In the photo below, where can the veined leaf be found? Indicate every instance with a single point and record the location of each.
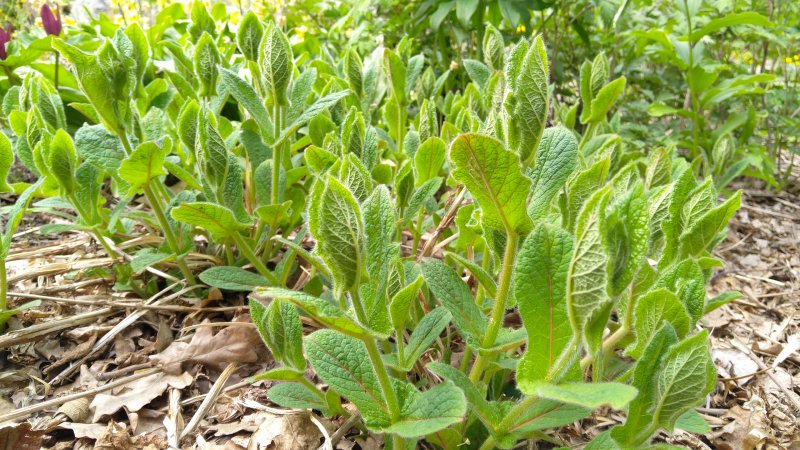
(426, 412)
(702, 232)
(218, 220)
(531, 96)
(605, 99)
(555, 162)
(275, 61)
(651, 310)
(489, 415)
(494, 177)
(297, 396)
(312, 111)
(143, 164)
(6, 160)
(429, 158)
(586, 278)
(249, 36)
(336, 224)
(590, 395)
(686, 280)
(478, 72)
(421, 195)
(206, 62)
(540, 289)
(280, 327)
(731, 20)
(455, 296)
(246, 96)
(426, 331)
(342, 362)
(232, 278)
(484, 278)
(627, 235)
(62, 161)
(401, 303)
(686, 377)
(322, 311)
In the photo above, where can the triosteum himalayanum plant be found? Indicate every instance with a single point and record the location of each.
(433, 214)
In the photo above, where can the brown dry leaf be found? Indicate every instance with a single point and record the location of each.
(20, 437)
(85, 430)
(748, 428)
(231, 344)
(137, 394)
(732, 363)
(286, 432)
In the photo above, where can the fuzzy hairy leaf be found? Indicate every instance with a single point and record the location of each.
(429, 158)
(275, 61)
(531, 98)
(426, 412)
(653, 309)
(342, 362)
(232, 278)
(280, 327)
(218, 220)
(455, 296)
(494, 177)
(590, 395)
(555, 162)
(626, 228)
(246, 96)
(540, 290)
(336, 224)
(143, 164)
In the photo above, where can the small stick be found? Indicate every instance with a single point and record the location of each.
(768, 372)
(216, 389)
(22, 413)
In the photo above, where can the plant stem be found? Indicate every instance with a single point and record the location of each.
(155, 204)
(248, 253)
(499, 308)
(3, 288)
(55, 77)
(277, 154)
(383, 378)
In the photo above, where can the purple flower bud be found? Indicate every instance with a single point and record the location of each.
(5, 37)
(51, 23)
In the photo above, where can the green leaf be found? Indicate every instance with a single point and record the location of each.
(322, 311)
(6, 160)
(582, 186)
(430, 411)
(484, 278)
(336, 224)
(494, 177)
(586, 285)
(702, 233)
(478, 72)
(280, 327)
(232, 278)
(143, 164)
(637, 428)
(279, 374)
(421, 195)
(540, 289)
(687, 376)
(147, 257)
(429, 158)
(297, 396)
(246, 96)
(586, 91)
(249, 36)
(355, 177)
(15, 214)
(605, 99)
(379, 228)
(541, 415)
(456, 297)
(96, 146)
(651, 310)
(354, 70)
(218, 220)
(206, 62)
(401, 303)
(731, 20)
(343, 363)
(590, 395)
(489, 415)
(627, 235)
(531, 97)
(494, 47)
(599, 73)
(721, 299)
(686, 280)
(396, 71)
(275, 61)
(426, 331)
(211, 151)
(556, 159)
(62, 161)
(312, 111)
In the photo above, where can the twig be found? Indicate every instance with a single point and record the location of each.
(22, 413)
(216, 389)
(764, 368)
(34, 332)
(200, 397)
(340, 432)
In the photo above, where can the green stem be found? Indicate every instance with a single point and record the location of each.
(400, 129)
(383, 378)
(499, 308)
(277, 154)
(3, 287)
(418, 232)
(248, 253)
(57, 63)
(155, 204)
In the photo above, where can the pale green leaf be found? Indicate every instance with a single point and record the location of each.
(232, 278)
(590, 395)
(555, 162)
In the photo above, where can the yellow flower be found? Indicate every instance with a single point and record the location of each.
(453, 65)
(235, 17)
(300, 32)
(521, 29)
(348, 32)
(69, 21)
(797, 57)
(788, 60)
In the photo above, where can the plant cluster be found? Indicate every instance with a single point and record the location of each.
(432, 214)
